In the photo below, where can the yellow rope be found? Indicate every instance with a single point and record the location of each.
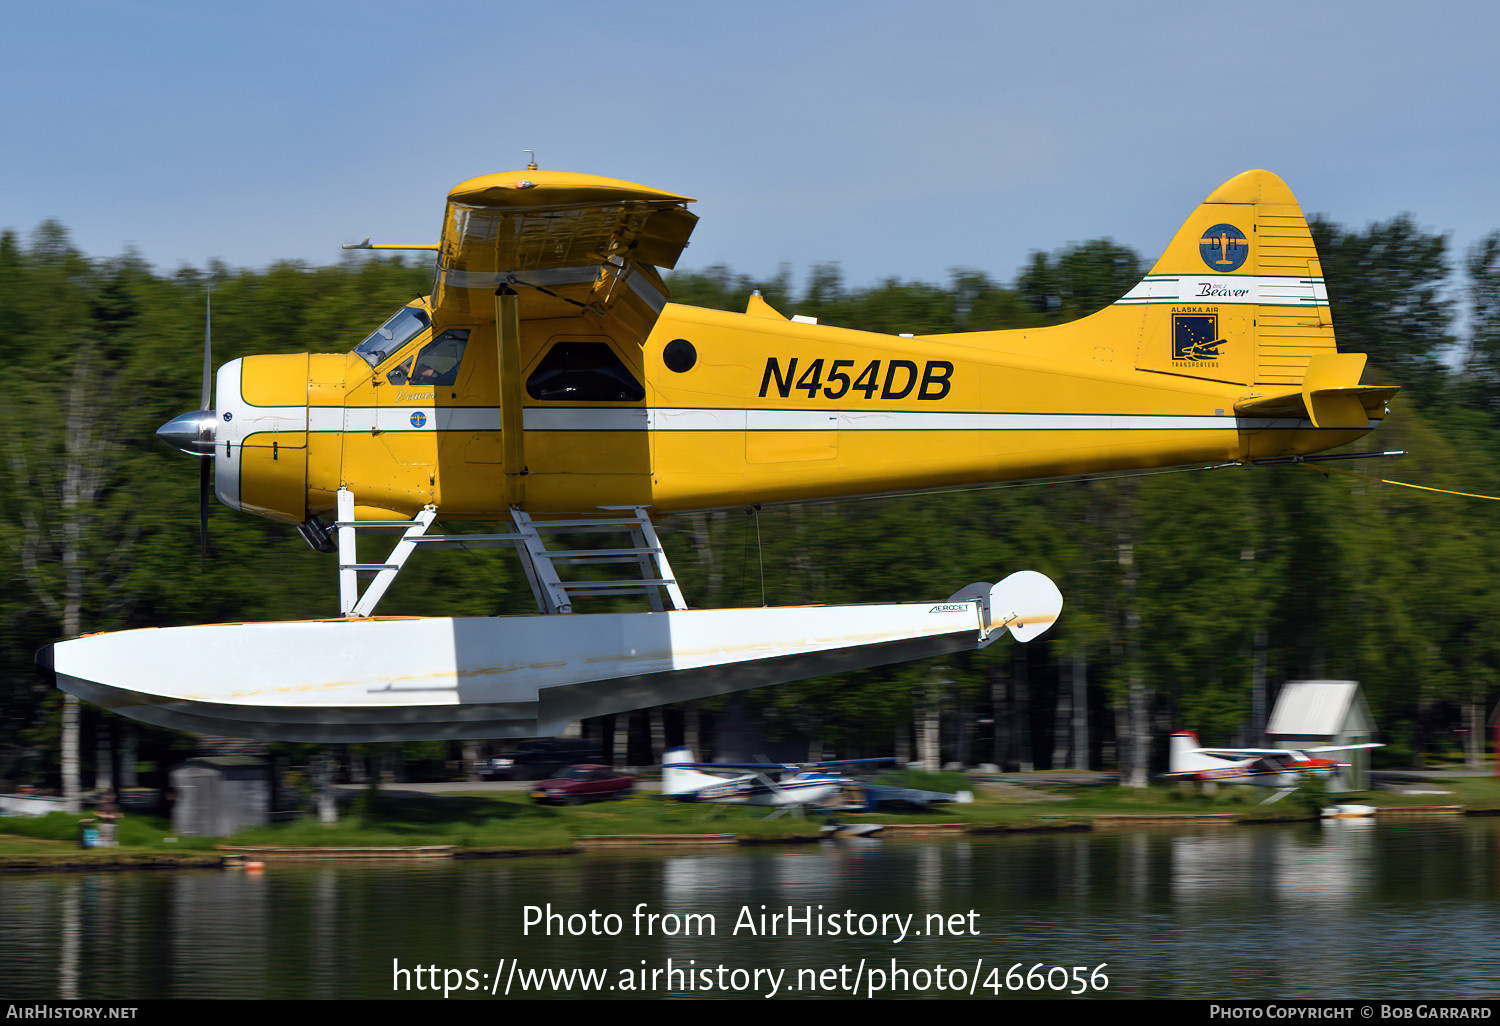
(1325, 470)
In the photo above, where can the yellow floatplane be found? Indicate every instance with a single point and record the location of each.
(548, 384)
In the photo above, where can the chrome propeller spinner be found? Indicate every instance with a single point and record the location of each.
(192, 433)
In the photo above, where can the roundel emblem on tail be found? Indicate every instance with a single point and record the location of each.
(1224, 248)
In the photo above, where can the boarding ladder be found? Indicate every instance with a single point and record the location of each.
(553, 594)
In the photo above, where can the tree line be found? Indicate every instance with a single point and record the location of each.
(1191, 595)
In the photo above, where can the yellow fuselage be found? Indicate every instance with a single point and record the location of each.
(771, 410)
(548, 373)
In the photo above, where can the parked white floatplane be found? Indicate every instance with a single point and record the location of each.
(548, 382)
(777, 785)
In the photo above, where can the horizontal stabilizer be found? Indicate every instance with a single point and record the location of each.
(1330, 395)
(1328, 405)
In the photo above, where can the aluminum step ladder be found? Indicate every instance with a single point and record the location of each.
(654, 577)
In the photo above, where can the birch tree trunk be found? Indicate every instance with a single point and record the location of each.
(1137, 732)
(928, 722)
(61, 482)
(1000, 713)
(1080, 709)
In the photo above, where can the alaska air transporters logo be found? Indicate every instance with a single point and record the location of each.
(1224, 248)
(1195, 339)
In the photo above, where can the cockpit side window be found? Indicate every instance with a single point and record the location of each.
(436, 363)
(407, 324)
(583, 371)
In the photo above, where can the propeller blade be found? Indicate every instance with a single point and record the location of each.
(193, 433)
(203, 493)
(207, 401)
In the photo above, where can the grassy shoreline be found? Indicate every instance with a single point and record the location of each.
(504, 825)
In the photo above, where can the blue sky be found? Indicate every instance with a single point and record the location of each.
(898, 139)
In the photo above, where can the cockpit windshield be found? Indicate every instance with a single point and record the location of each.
(407, 324)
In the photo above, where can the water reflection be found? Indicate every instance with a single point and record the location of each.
(1344, 910)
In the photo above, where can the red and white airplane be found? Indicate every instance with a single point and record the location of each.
(1281, 768)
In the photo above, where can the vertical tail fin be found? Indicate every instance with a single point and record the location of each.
(674, 779)
(1236, 299)
(1240, 294)
(1180, 753)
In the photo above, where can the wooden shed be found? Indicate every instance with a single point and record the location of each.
(1310, 713)
(220, 795)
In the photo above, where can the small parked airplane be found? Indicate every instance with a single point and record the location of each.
(1281, 768)
(784, 786)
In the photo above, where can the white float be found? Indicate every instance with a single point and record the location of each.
(396, 679)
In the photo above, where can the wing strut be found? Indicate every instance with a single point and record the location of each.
(512, 423)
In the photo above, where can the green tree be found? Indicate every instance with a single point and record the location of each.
(1386, 289)
(1078, 280)
(1482, 365)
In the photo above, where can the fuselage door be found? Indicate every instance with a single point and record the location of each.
(587, 437)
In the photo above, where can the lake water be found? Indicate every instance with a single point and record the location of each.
(1342, 910)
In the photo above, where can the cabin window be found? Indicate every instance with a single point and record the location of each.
(407, 324)
(583, 372)
(436, 363)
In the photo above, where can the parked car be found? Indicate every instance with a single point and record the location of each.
(496, 769)
(540, 759)
(583, 783)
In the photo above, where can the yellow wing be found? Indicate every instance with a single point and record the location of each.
(565, 242)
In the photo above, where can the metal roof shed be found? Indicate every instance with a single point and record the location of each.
(1310, 713)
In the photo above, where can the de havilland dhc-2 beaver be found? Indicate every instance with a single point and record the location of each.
(547, 384)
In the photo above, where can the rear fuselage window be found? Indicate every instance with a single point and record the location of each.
(583, 372)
